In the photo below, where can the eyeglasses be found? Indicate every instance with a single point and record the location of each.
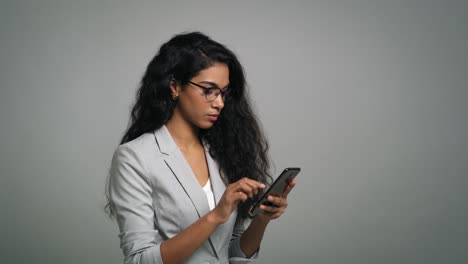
(211, 93)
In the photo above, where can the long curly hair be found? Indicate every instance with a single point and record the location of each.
(235, 140)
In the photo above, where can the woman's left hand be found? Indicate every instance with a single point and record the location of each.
(279, 204)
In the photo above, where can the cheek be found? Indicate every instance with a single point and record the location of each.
(193, 106)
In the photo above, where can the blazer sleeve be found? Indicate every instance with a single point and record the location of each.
(130, 194)
(236, 255)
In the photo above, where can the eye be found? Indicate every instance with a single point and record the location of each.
(211, 90)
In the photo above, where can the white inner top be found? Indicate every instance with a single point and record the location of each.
(209, 194)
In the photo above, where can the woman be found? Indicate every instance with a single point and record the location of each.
(192, 161)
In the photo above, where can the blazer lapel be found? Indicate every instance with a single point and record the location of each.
(176, 161)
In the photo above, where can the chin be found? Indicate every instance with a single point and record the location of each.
(205, 125)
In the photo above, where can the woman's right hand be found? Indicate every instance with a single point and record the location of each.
(236, 192)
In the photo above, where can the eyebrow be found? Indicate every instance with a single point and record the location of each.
(212, 84)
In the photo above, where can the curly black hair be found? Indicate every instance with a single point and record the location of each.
(235, 140)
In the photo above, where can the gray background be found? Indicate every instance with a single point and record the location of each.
(368, 97)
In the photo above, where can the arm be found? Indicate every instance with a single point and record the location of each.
(182, 246)
(130, 195)
(247, 231)
(252, 237)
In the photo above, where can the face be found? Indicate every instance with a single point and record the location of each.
(192, 104)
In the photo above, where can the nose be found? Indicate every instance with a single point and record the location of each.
(218, 103)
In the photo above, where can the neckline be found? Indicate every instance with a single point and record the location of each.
(207, 185)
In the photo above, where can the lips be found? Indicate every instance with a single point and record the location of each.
(213, 117)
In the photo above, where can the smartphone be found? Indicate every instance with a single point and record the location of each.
(276, 189)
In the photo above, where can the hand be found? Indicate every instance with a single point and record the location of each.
(236, 192)
(279, 204)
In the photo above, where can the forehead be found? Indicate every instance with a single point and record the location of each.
(217, 73)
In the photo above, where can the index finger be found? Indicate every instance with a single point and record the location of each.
(252, 183)
(259, 184)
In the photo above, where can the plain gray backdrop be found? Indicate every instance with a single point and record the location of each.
(368, 97)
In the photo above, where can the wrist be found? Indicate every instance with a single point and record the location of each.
(213, 218)
(261, 220)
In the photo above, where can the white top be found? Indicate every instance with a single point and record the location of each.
(209, 194)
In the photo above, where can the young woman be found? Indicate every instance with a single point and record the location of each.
(192, 161)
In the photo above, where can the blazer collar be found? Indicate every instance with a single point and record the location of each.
(165, 141)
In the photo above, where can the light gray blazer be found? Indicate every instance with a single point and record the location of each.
(156, 195)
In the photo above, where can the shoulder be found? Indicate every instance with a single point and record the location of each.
(137, 151)
(141, 144)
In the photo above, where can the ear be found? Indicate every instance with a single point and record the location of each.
(175, 88)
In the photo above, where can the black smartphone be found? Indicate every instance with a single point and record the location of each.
(276, 189)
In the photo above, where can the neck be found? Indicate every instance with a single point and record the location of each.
(184, 134)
